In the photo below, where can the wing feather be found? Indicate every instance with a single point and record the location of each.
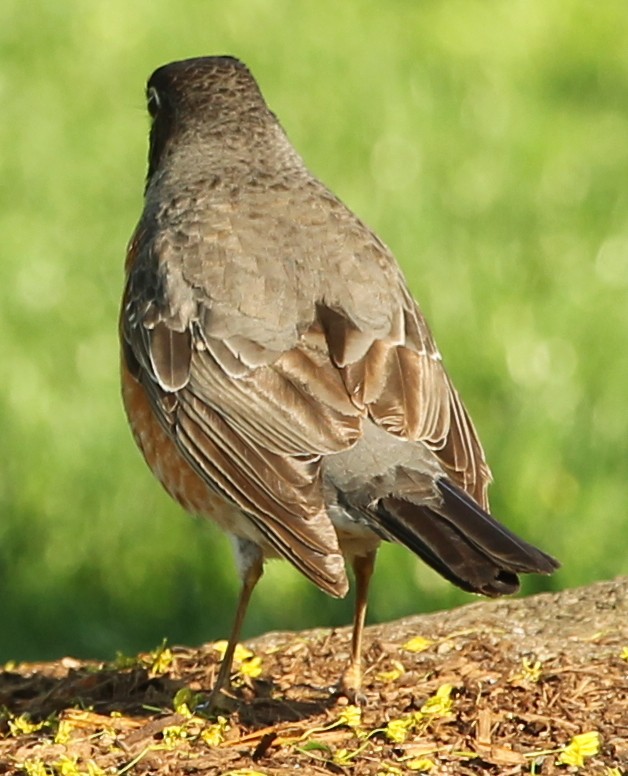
(255, 409)
(403, 384)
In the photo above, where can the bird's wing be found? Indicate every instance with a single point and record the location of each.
(253, 422)
(400, 380)
(255, 388)
(418, 474)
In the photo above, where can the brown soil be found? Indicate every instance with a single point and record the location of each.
(511, 683)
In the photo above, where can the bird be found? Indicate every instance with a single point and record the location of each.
(277, 374)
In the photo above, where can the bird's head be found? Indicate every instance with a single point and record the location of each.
(200, 99)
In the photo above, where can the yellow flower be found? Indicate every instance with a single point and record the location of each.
(343, 756)
(624, 653)
(22, 725)
(248, 664)
(64, 732)
(213, 735)
(351, 717)
(420, 764)
(243, 772)
(173, 735)
(161, 659)
(417, 644)
(390, 770)
(580, 746)
(395, 673)
(67, 766)
(531, 671)
(241, 652)
(252, 667)
(397, 729)
(33, 768)
(440, 704)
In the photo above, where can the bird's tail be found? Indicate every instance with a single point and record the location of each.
(462, 541)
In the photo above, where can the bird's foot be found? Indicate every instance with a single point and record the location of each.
(350, 685)
(218, 703)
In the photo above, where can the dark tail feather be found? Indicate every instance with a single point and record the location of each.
(463, 542)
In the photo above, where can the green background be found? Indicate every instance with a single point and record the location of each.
(486, 142)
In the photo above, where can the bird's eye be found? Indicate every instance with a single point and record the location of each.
(153, 101)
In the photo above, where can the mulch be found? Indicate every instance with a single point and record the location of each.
(529, 686)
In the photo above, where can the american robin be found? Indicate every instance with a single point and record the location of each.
(277, 374)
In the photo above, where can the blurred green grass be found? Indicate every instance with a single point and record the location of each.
(486, 141)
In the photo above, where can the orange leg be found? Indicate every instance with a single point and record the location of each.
(351, 680)
(251, 564)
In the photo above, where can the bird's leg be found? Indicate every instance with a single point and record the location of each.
(351, 680)
(251, 566)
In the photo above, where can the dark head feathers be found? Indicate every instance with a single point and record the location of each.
(204, 94)
(206, 84)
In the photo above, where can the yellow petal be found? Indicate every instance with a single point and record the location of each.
(390, 770)
(420, 764)
(440, 704)
(417, 644)
(34, 768)
(580, 746)
(531, 671)
(22, 725)
(161, 660)
(213, 735)
(251, 666)
(397, 729)
(243, 772)
(395, 673)
(241, 652)
(351, 716)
